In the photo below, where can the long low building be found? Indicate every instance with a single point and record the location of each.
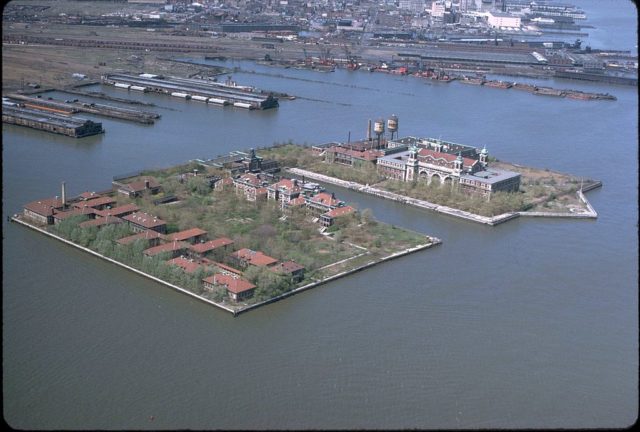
(190, 87)
(51, 122)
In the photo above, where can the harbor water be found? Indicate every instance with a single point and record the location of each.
(529, 324)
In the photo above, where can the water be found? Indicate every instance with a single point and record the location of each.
(532, 323)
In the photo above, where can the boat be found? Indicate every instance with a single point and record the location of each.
(524, 86)
(498, 84)
(548, 91)
(473, 81)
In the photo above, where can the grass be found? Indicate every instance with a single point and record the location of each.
(540, 189)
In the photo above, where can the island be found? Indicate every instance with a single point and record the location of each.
(451, 178)
(238, 236)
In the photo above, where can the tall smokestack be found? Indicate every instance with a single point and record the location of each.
(369, 131)
(64, 195)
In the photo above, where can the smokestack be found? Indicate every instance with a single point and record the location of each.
(369, 131)
(64, 195)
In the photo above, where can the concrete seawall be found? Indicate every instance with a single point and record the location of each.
(141, 273)
(235, 311)
(494, 220)
(434, 242)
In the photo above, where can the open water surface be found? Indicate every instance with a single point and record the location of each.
(532, 323)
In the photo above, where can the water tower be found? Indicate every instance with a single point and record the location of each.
(378, 128)
(392, 125)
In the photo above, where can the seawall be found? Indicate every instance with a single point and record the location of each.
(141, 273)
(434, 241)
(492, 221)
(235, 311)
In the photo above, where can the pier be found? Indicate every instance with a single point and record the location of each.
(75, 106)
(189, 88)
(50, 121)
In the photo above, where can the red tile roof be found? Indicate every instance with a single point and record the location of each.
(61, 215)
(44, 207)
(140, 185)
(255, 258)
(324, 198)
(187, 265)
(211, 245)
(446, 156)
(339, 211)
(146, 235)
(251, 179)
(101, 221)
(118, 211)
(286, 184)
(369, 155)
(167, 247)
(95, 202)
(235, 285)
(144, 219)
(297, 201)
(186, 234)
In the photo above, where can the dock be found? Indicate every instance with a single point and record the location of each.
(190, 88)
(75, 106)
(53, 122)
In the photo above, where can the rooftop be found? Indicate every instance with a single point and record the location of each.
(146, 235)
(45, 206)
(211, 245)
(94, 202)
(167, 247)
(339, 211)
(188, 265)
(255, 258)
(144, 219)
(235, 285)
(118, 211)
(186, 234)
(490, 175)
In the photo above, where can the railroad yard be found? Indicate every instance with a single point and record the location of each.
(133, 37)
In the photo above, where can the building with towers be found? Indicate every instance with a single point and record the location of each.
(428, 160)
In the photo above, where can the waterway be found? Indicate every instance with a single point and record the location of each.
(532, 323)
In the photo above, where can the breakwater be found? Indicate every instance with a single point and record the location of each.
(493, 220)
(432, 241)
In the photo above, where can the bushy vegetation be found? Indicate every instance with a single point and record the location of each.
(261, 226)
(103, 241)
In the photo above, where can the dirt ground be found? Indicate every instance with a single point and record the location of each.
(54, 66)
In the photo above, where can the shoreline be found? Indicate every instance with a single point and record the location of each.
(434, 241)
(492, 221)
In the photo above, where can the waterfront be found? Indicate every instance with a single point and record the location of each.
(532, 323)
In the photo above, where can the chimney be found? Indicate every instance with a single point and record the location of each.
(369, 131)
(64, 195)
(146, 183)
